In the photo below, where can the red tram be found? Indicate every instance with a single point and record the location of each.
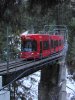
(40, 45)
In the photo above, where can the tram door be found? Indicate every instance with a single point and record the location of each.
(41, 48)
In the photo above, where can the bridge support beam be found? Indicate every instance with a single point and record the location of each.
(49, 77)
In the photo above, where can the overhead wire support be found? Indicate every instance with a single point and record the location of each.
(7, 53)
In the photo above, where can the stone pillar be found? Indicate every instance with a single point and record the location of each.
(49, 75)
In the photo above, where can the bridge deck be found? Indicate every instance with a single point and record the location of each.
(16, 66)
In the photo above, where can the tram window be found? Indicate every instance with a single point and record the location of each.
(52, 43)
(26, 45)
(62, 42)
(29, 45)
(34, 45)
(56, 43)
(59, 42)
(45, 45)
(22, 45)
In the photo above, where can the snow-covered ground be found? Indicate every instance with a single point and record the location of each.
(29, 87)
(70, 87)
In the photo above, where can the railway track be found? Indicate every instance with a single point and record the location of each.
(20, 64)
(14, 64)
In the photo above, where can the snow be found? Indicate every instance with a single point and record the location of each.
(20, 90)
(29, 86)
(70, 87)
(24, 33)
(27, 83)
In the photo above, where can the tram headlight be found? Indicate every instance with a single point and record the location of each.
(32, 53)
(20, 54)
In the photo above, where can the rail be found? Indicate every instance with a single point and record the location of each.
(19, 65)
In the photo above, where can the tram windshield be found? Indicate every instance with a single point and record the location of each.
(29, 45)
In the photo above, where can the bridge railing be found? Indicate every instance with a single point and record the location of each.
(11, 56)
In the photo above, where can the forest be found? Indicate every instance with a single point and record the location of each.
(17, 16)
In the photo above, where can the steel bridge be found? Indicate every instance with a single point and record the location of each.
(21, 68)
